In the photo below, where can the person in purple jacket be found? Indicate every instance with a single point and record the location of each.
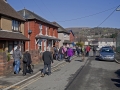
(69, 54)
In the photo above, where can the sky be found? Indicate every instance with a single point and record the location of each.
(74, 13)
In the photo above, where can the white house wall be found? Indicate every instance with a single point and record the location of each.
(62, 37)
(102, 44)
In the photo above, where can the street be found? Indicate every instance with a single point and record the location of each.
(88, 75)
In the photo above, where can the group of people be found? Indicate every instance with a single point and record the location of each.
(63, 52)
(59, 54)
(17, 55)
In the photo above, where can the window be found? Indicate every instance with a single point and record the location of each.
(40, 44)
(44, 45)
(40, 27)
(15, 25)
(12, 45)
(65, 35)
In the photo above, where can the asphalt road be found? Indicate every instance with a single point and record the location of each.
(97, 75)
(88, 75)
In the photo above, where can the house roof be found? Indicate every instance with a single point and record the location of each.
(71, 32)
(106, 39)
(67, 41)
(7, 10)
(27, 14)
(61, 29)
(12, 35)
(46, 37)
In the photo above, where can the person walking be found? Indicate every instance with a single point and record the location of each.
(78, 51)
(94, 51)
(56, 53)
(83, 53)
(61, 53)
(69, 54)
(17, 55)
(47, 59)
(27, 63)
(87, 50)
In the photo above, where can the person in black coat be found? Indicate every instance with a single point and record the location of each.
(27, 63)
(47, 59)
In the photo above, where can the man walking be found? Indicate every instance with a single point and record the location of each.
(56, 53)
(94, 50)
(27, 63)
(47, 58)
(17, 56)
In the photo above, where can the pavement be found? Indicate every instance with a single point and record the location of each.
(12, 78)
(117, 57)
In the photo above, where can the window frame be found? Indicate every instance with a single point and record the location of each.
(16, 25)
(40, 28)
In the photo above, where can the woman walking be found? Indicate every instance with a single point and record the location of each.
(69, 54)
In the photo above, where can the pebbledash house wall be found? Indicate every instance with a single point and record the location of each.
(63, 37)
(34, 26)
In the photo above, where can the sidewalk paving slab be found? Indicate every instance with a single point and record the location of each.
(12, 78)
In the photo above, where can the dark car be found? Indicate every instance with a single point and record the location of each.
(107, 53)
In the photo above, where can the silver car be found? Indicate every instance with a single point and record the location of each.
(107, 54)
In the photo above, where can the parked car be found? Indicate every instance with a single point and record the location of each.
(106, 53)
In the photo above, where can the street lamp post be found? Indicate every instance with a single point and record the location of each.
(117, 40)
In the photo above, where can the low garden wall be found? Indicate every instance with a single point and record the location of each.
(6, 63)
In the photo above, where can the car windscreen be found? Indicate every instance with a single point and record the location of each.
(107, 50)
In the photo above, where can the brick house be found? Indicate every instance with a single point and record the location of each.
(63, 34)
(41, 32)
(11, 28)
(72, 37)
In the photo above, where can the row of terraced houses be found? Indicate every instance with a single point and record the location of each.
(29, 30)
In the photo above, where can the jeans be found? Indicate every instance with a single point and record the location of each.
(56, 56)
(17, 66)
(94, 53)
(87, 53)
(69, 58)
(60, 56)
(49, 68)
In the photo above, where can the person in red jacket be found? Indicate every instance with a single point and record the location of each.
(87, 50)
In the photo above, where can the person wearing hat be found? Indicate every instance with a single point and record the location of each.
(47, 59)
(27, 63)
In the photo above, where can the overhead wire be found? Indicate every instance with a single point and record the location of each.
(87, 15)
(48, 9)
(39, 7)
(22, 3)
(108, 16)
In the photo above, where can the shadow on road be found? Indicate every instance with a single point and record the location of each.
(117, 81)
(79, 60)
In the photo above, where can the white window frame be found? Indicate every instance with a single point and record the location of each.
(40, 28)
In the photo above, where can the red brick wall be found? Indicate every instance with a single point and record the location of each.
(34, 26)
(71, 37)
